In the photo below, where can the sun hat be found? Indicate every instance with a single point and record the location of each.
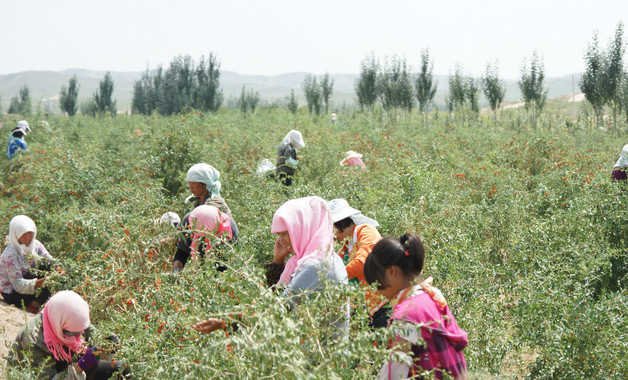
(334, 116)
(349, 155)
(340, 210)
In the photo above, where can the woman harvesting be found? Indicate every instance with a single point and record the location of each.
(50, 340)
(20, 265)
(199, 227)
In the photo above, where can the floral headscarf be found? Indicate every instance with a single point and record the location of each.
(65, 310)
(18, 226)
(206, 174)
(308, 222)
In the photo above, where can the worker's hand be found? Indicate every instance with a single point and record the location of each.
(208, 325)
(40, 282)
(88, 360)
(280, 252)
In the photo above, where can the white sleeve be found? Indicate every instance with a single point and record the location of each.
(70, 374)
(394, 371)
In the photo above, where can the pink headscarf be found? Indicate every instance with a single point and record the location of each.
(308, 222)
(208, 219)
(65, 310)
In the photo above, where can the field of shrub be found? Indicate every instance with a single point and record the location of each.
(525, 235)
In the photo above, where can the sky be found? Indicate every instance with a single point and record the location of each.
(273, 37)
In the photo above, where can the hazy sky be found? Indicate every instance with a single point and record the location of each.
(279, 36)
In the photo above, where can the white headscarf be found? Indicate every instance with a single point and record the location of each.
(206, 174)
(18, 226)
(623, 159)
(294, 138)
(23, 124)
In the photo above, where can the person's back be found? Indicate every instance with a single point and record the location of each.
(315, 275)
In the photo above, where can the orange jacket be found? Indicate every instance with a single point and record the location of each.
(367, 236)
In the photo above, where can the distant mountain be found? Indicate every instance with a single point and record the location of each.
(45, 86)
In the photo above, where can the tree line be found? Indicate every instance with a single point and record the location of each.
(183, 85)
(390, 84)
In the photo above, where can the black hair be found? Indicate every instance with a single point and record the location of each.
(344, 223)
(407, 253)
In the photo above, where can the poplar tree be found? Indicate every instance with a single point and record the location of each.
(293, 103)
(472, 94)
(592, 80)
(327, 88)
(614, 70)
(494, 89)
(395, 85)
(21, 103)
(102, 97)
(424, 84)
(366, 85)
(68, 97)
(457, 91)
(532, 85)
(313, 94)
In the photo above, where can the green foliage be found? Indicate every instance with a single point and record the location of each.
(494, 89)
(327, 88)
(182, 86)
(293, 103)
(313, 94)
(532, 85)
(248, 100)
(102, 97)
(21, 103)
(68, 97)
(472, 93)
(614, 70)
(525, 235)
(366, 85)
(424, 83)
(394, 85)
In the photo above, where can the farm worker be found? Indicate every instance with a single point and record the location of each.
(204, 224)
(287, 156)
(51, 338)
(619, 170)
(358, 234)
(304, 229)
(334, 119)
(16, 138)
(353, 159)
(203, 181)
(425, 329)
(20, 283)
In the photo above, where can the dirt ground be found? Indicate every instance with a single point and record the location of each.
(11, 321)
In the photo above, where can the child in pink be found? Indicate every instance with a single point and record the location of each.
(426, 331)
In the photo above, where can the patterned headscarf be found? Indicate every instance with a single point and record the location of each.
(65, 310)
(206, 174)
(294, 138)
(206, 219)
(308, 222)
(18, 226)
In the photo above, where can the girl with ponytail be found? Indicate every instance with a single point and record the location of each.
(424, 326)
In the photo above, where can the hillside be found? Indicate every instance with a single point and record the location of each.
(45, 86)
